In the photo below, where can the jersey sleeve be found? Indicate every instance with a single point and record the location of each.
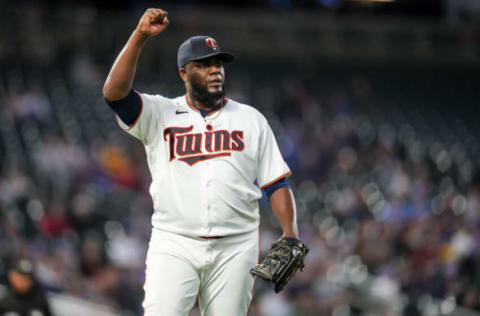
(272, 167)
(149, 121)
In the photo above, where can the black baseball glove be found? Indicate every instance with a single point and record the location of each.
(283, 259)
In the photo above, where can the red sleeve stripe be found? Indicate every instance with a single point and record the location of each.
(136, 120)
(288, 174)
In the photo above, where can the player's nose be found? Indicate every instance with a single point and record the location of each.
(214, 68)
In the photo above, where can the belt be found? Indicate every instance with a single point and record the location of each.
(211, 237)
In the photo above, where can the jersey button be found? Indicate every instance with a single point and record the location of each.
(208, 183)
(209, 207)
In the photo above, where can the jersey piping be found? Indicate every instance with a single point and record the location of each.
(136, 120)
(225, 100)
(276, 180)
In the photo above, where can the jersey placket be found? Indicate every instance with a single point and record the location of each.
(206, 182)
(206, 124)
(207, 176)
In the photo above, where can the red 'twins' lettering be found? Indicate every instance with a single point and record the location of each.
(188, 146)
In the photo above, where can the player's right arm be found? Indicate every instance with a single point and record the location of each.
(119, 81)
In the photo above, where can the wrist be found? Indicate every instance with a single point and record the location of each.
(290, 234)
(138, 38)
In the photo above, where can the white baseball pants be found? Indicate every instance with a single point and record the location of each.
(180, 268)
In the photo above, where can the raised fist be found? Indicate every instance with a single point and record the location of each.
(153, 21)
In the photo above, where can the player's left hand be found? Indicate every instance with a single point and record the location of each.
(284, 258)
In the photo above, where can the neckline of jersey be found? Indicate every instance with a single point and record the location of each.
(225, 100)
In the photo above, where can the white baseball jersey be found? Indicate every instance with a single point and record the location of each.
(204, 169)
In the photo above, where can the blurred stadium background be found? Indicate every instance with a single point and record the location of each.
(373, 104)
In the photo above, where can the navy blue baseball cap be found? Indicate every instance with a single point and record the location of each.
(200, 47)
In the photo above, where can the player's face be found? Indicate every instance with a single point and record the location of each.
(209, 73)
(20, 283)
(206, 79)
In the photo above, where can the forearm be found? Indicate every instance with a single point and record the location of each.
(283, 206)
(120, 79)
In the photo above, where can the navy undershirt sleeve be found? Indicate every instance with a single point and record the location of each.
(282, 183)
(128, 108)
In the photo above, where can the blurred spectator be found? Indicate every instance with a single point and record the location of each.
(32, 103)
(54, 223)
(84, 72)
(24, 296)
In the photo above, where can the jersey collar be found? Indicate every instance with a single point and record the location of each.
(190, 104)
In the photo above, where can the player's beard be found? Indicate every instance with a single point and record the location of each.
(201, 94)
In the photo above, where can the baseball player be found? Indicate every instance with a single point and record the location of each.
(206, 155)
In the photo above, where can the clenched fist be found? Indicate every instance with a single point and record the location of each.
(153, 21)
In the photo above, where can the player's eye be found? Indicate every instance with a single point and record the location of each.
(215, 62)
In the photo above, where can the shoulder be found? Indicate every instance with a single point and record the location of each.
(160, 103)
(243, 109)
(157, 98)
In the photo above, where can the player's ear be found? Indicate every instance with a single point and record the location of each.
(183, 74)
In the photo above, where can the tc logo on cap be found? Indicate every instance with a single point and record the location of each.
(211, 43)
